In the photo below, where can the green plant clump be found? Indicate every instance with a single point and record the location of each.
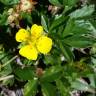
(55, 58)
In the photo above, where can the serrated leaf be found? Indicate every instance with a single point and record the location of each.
(26, 16)
(25, 73)
(80, 84)
(48, 89)
(79, 41)
(78, 33)
(49, 59)
(9, 2)
(63, 89)
(76, 27)
(92, 78)
(21, 45)
(57, 22)
(83, 12)
(55, 2)
(44, 24)
(30, 88)
(66, 52)
(69, 2)
(52, 74)
(3, 19)
(5, 57)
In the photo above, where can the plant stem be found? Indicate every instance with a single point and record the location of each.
(9, 61)
(7, 77)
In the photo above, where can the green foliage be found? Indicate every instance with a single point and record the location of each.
(5, 68)
(82, 85)
(24, 74)
(83, 12)
(48, 89)
(30, 88)
(3, 19)
(9, 2)
(55, 2)
(68, 3)
(71, 63)
(51, 74)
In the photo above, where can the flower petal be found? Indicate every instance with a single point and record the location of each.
(36, 31)
(44, 44)
(22, 35)
(29, 52)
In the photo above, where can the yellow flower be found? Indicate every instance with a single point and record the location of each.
(36, 42)
(22, 35)
(44, 44)
(36, 31)
(29, 52)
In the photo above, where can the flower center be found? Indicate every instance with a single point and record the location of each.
(32, 40)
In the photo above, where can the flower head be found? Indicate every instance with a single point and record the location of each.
(22, 35)
(29, 52)
(36, 42)
(44, 44)
(36, 31)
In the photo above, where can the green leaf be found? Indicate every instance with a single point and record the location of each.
(52, 74)
(83, 12)
(79, 41)
(48, 89)
(92, 78)
(57, 22)
(5, 57)
(66, 51)
(21, 45)
(80, 84)
(69, 2)
(55, 2)
(44, 23)
(30, 88)
(76, 27)
(78, 33)
(64, 91)
(26, 16)
(49, 59)
(6, 70)
(9, 2)
(25, 73)
(3, 19)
